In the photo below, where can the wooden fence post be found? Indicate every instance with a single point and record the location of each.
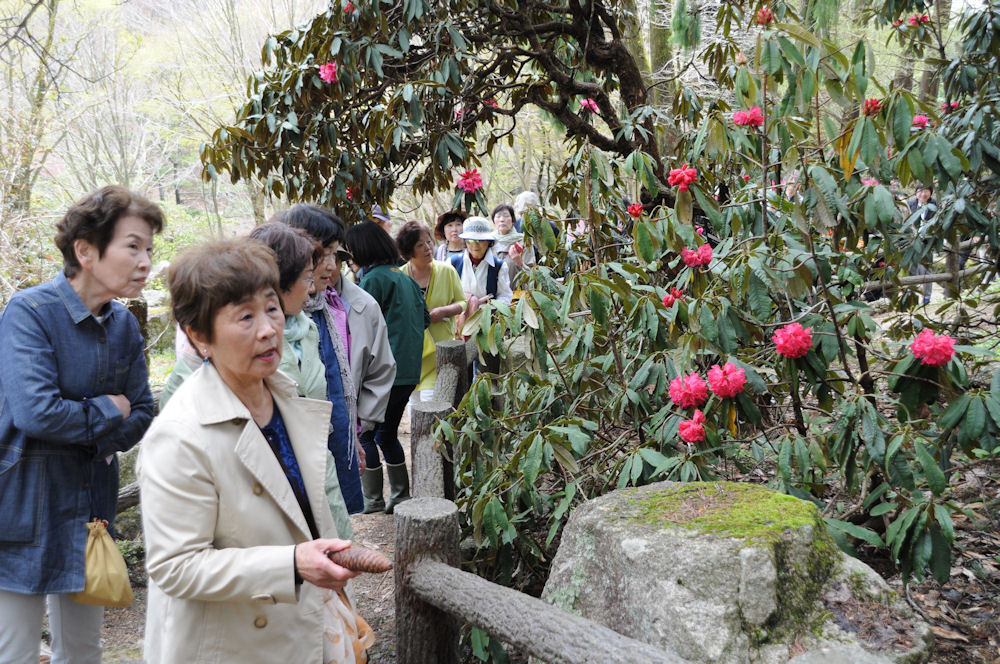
(453, 372)
(425, 528)
(432, 472)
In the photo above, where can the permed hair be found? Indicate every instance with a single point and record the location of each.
(93, 218)
(204, 279)
(408, 237)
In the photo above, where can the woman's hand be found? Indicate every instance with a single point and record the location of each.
(315, 567)
(514, 254)
(362, 459)
(122, 403)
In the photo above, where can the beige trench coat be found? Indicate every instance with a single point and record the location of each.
(221, 523)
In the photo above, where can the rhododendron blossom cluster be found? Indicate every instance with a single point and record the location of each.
(764, 16)
(793, 340)
(726, 381)
(688, 391)
(917, 19)
(588, 105)
(920, 121)
(752, 118)
(933, 350)
(675, 295)
(693, 430)
(682, 177)
(871, 106)
(949, 107)
(869, 182)
(635, 210)
(695, 257)
(328, 72)
(470, 181)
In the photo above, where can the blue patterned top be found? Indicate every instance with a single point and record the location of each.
(281, 445)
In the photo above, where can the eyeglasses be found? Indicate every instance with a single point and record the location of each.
(308, 277)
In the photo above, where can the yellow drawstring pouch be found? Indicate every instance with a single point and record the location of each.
(105, 570)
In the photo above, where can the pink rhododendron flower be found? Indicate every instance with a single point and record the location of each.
(945, 108)
(933, 350)
(752, 118)
(682, 177)
(764, 16)
(871, 106)
(675, 295)
(746, 178)
(350, 193)
(688, 391)
(349, 7)
(699, 230)
(726, 381)
(914, 20)
(491, 102)
(869, 182)
(898, 22)
(793, 340)
(588, 105)
(328, 72)
(635, 210)
(470, 181)
(740, 59)
(696, 257)
(920, 121)
(692, 431)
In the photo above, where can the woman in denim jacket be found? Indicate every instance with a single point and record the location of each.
(73, 393)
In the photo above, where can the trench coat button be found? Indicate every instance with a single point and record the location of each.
(260, 622)
(257, 489)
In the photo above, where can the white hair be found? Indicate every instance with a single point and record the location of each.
(525, 200)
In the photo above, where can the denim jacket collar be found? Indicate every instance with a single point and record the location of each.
(224, 406)
(78, 311)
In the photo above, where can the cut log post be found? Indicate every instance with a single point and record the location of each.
(128, 497)
(533, 626)
(425, 528)
(452, 371)
(432, 472)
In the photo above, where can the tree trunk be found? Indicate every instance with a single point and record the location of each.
(660, 60)
(930, 80)
(28, 164)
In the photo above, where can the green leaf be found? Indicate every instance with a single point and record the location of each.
(533, 460)
(885, 206)
(975, 419)
(643, 242)
(853, 530)
(940, 556)
(932, 472)
(902, 121)
(953, 414)
(598, 306)
(882, 508)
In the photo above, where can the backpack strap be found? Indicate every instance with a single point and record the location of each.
(456, 262)
(492, 276)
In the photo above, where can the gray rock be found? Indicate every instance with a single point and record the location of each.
(723, 573)
(839, 655)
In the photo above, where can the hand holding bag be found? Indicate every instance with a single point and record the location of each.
(105, 570)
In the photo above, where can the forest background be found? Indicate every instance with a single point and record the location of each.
(144, 94)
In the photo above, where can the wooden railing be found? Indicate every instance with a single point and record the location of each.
(434, 597)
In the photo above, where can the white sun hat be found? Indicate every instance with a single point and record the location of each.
(477, 228)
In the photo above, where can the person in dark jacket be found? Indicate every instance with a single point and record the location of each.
(73, 393)
(406, 318)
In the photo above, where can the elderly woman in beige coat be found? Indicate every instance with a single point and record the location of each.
(232, 473)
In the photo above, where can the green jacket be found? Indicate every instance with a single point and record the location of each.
(406, 317)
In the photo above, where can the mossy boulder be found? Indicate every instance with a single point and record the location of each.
(722, 573)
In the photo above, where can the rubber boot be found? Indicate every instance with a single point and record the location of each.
(371, 487)
(399, 485)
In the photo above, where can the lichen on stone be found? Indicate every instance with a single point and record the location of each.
(733, 509)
